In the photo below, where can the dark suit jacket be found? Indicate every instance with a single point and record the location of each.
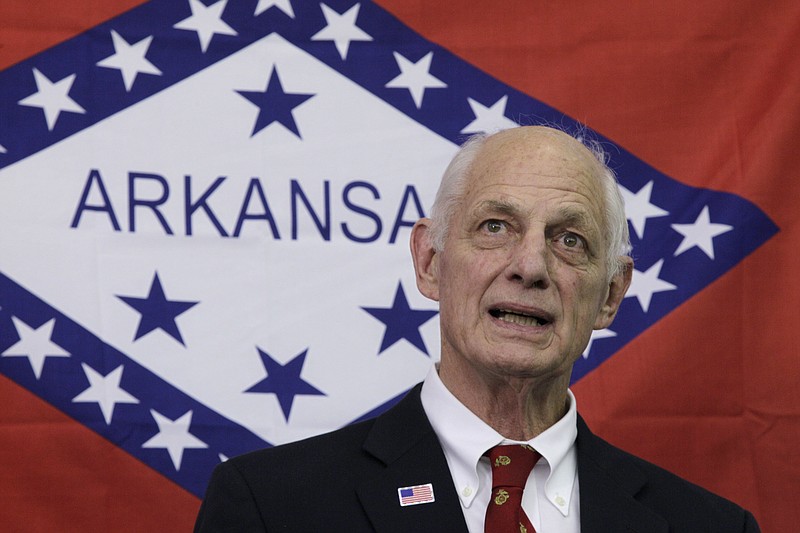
(347, 481)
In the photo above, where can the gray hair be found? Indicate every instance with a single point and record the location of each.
(453, 185)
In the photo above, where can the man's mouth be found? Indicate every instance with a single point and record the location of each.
(516, 317)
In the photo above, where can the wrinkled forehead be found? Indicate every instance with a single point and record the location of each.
(536, 157)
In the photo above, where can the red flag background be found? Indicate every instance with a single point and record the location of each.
(707, 92)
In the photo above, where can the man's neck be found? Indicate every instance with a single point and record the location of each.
(519, 409)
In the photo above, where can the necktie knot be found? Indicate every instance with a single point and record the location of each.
(512, 464)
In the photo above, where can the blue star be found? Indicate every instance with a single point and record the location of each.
(401, 321)
(284, 381)
(158, 312)
(275, 105)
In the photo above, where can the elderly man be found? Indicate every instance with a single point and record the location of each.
(526, 252)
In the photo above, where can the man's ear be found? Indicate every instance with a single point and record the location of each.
(617, 288)
(426, 259)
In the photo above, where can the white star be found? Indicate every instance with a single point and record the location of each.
(645, 284)
(596, 336)
(701, 233)
(52, 98)
(104, 390)
(341, 29)
(174, 436)
(489, 119)
(206, 21)
(2, 149)
(638, 207)
(283, 5)
(415, 77)
(35, 344)
(129, 59)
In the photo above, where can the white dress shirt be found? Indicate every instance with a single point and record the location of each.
(550, 498)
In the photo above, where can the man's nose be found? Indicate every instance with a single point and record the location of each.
(530, 262)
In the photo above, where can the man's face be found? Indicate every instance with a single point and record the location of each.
(522, 279)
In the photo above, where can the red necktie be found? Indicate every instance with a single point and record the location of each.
(511, 466)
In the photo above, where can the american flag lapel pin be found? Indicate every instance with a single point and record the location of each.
(416, 494)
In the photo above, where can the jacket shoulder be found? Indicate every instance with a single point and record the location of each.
(315, 454)
(273, 488)
(684, 505)
(314, 483)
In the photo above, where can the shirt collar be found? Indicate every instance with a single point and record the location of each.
(465, 438)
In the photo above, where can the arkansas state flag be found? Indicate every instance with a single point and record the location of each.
(205, 207)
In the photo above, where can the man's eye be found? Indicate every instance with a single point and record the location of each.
(571, 240)
(494, 226)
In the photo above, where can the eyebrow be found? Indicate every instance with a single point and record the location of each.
(577, 217)
(498, 206)
(569, 215)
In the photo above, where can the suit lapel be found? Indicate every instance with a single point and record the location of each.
(609, 483)
(403, 440)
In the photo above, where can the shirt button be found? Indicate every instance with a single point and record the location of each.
(467, 492)
(560, 501)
